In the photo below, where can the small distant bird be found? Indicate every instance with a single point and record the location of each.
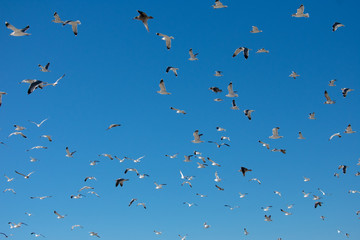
(172, 156)
(17, 32)
(157, 232)
(322, 218)
(197, 137)
(36, 84)
(9, 179)
(94, 234)
(142, 204)
(85, 188)
(6, 236)
(264, 144)
(328, 99)
(294, 75)
(132, 201)
(37, 235)
(187, 158)
(318, 204)
(77, 196)
(349, 129)
(76, 226)
(219, 188)
(275, 133)
(306, 194)
(306, 179)
(167, 40)
(301, 136)
(233, 105)
(68, 153)
(94, 193)
(58, 215)
(113, 125)
(190, 204)
(89, 178)
(230, 207)
(244, 170)
(217, 178)
(225, 138)
(57, 18)
(213, 163)
(268, 218)
(201, 165)
(279, 150)
(312, 116)
(74, 25)
(277, 193)
(242, 49)
(14, 225)
(193, 57)
(144, 18)
(159, 186)
(300, 12)
(332, 83)
(25, 176)
(10, 190)
(56, 82)
(163, 88)
(107, 155)
(45, 68)
(201, 195)
(1, 94)
(246, 232)
(336, 25)
(248, 112)
(218, 4)
(37, 147)
(120, 181)
(220, 129)
(219, 145)
(266, 208)
(41, 198)
(215, 89)
(38, 124)
(242, 195)
(262, 50)
(206, 225)
(131, 170)
(231, 93)
(172, 69)
(218, 74)
(255, 29)
(255, 179)
(93, 163)
(285, 212)
(343, 167)
(335, 135)
(178, 110)
(19, 128)
(345, 91)
(48, 137)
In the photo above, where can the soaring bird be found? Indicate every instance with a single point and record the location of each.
(113, 125)
(231, 93)
(318, 204)
(328, 99)
(48, 137)
(57, 18)
(17, 133)
(163, 88)
(242, 195)
(268, 218)
(336, 25)
(10, 190)
(190, 204)
(178, 110)
(294, 75)
(9, 179)
(335, 135)
(1, 94)
(248, 112)
(343, 167)
(193, 57)
(301, 136)
(107, 155)
(68, 153)
(172, 156)
(167, 40)
(132, 201)
(174, 69)
(19, 128)
(120, 181)
(85, 188)
(217, 178)
(144, 18)
(14, 225)
(218, 4)
(41, 198)
(56, 82)
(349, 129)
(255, 179)
(242, 49)
(39, 124)
(300, 12)
(159, 186)
(277, 193)
(264, 144)
(59, 216)
(157, 232)
(332, 83)
(262, 50)
(345, 91)
(36, 84)
(17, 32)
(37, 147)
(285, 212)
(312, 116)
(94, 234)
(219, 188)
(218, 74)
(244, 170)
(275, 133)
(76, 226)
(279, 150)
(197, 137)
(215, 89)
(206, 225)
(37, 234)
(255, 29)
(89, 178)
(74, 25)
(266, 208)
(213, 163)
(231, 207)
(25, 176)
(44, 68)
(219, 145)
(6, 236)
(142, 204)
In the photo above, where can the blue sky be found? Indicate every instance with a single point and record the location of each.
(113, 68)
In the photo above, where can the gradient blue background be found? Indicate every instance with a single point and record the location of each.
(113, 68)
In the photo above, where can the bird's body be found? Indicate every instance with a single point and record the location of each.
(300, 12)
(255, 29)
(218, 5)
(328, 99)
(17, 32)
(197, 137)
(74, 25)
(242, 49)
(162, 90)
(275, 133)
(167, 40)
(143, 17)
(231, 93)
(336, 25)
(193, 57)
(44, 68)
(173, 69)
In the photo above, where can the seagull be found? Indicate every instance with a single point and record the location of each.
(230, 207)
(37, 235)
(306, 194)
(185, 177)
(10, 190)
(218, 4)
(220, 129)
(277, 193)
(301, 136)
(268, 218)
(201, 195)
(37, 147)
(213, 163)
(316, 197)
(142, 204)
(48, 137)
(279, 150)
(107, 155)
(322, 192)
(219, 188)
(68, 153)
(45, 68)
(243, 170)
(290, 206)
(93, 163)
(56, 82)
(187, 182)
(94, 193)
(286, 213)
(334, 135)
(343, 167)
(36, 84)
(275, 133)
(206, 225)
(89, 178)
(217, 178)
(57, 18)
(255, 179)
(300, 12)
(9, 179)
(255, 29)
(246, 232)
(266, 208)
(240, 49)
(172, 69)
(336, 25)
(318, 204)
(197, 137)
(167, 39)
(294, 75)
(162, 88)
(120, 181)
(1, 94)
(39, 124)
(328, 99)
(262, 50)
(231, 93)
(172, 156)
(264, 144)
(178, 110)
(219, 145)
(242, 195)
(58, 215)
(193, 57)
(120, 160)
(332, 83)
(201, 165)
(217, 99)
(41, 198)
(182, 237)
(349, 129)
(113, 125)
(144, 18)
(74, 25)
(202, 158)
(131, 170)
(215, 89)
(157, 232)
(190, 204)
(345, 91)
(94, 234)
(75, 226)
(19, 128)
(25, 176)
(17, 32)
(197, 153)
(312, 116)
(218, 74)
(132, 201)
(306, 179)
(187, 158)
(85, 188)
(248, 112)
(14, 225)
(159, 186)
(225, 138)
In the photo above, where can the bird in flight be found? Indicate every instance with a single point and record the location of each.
(193, 57)
(167, 40)
(159, 186)
(264, 144)
(174, 69)
(74, 25)
(144, 18)
(275, 133)
(120, 181)
(17, 32)
(336, 25)
(197, 137)
(248, 112)
(113, 125)
(39, 124)
(1, 94)
(59, 216)
(218, 74)
(262, 50)
(332, 83)
(255, 29)
(300, 12)
(57, 18)
(37, 234)
(242, 49)
(349, 129)
(163, 88)
(44, 68)
(218, 4)
(345, 91)
(25, 176)
(178, 110)
(68, 153)
(244, 170)
(56, 82)
(294, 75)
(231, 93)
(328, 99)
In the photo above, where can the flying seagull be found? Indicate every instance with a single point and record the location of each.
(144, 18)
(248, 112)
(349, 129)
(332, 83)
(275, 133)
(336, 25)
(34, 85)
(120, 181)
(9, 179)
(45, 68)
(174, 69)
(218, 4)
(294, 75)
(74, 25)
(328, 99)
(231, 93)
(57, 18)
(68, 153)
(218, 74)
(75, 226)
(312, 116)
(242, 49)
(59, 216)
(230, 207)
(219, 145)
(215, 89)
(301, 136)
(113, 125)
(48, 137)
(94, 234)
(279, 150)
(17, 32)
(345, 91)
(167, 40)
(37, 235)
(255, 29)
(268, 218)
(243, 170)
(25, 176)
(197, 137)
(242, 195)
(39, 124)
(178, 110)
(192, 55)
(56, 82)
(159, 186)
(262, 50)
(41, 198)
(300, 12)
(37, 147)
(14, 225)
(335, 135)
(163, 88)
(1, 94)
(219, 188)
(17, 133)
(264, 144)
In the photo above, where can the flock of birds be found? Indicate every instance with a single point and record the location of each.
(203, 162)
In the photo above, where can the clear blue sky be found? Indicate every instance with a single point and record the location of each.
(113, 68)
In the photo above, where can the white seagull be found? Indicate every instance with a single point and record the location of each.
(58, 215)
(335, 135)
(240, 49)
(197, 137)
(57, 18)
(332, 83)
(300, 12)
(56, 82)
(262, 50)
(193, 57)
(231, 93)
(294, 75)
(336, 25)
(39, 124)
(144, 18)
(174, 69)
(301, 136)
(167, 39)
(349, 129)
(68, 153)
(17, 32)
(275, 133)
(159, 186)
(163, 88)
(328, 99)
(25, 176)
(1, 94)
(255, 29)
(218, 4)
(74, 25)
(218, 74)
(44, 68)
